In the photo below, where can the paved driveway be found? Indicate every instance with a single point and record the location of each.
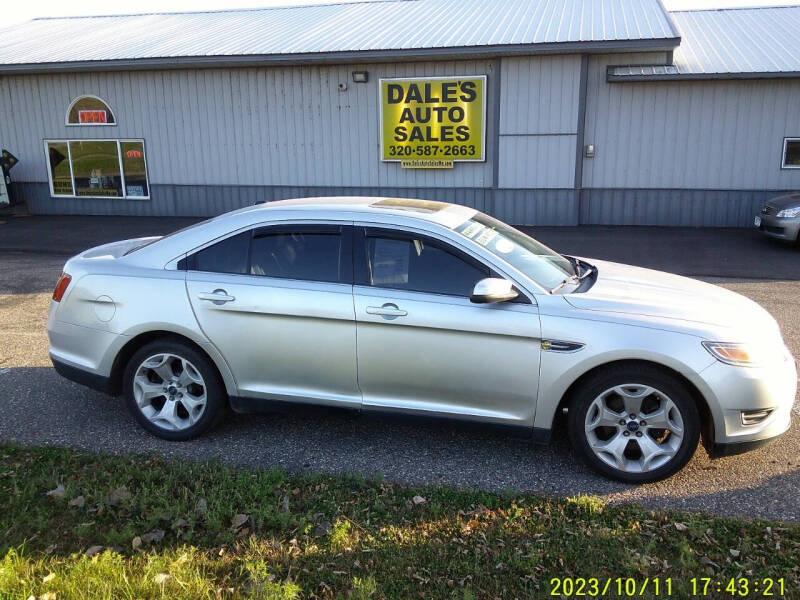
(38, 407)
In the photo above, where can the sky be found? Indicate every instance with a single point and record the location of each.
(18, 11)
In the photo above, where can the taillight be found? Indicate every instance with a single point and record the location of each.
(61, 287)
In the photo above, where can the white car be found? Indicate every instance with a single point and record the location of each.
(424, 308)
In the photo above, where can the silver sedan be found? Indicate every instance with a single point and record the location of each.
(422, 308)
(780, 218)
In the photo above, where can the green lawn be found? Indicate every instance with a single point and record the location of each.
(163, 529)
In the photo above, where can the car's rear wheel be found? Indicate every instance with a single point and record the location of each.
(635, 424)
(173, 390)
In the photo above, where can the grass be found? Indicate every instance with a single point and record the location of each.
(164, 529)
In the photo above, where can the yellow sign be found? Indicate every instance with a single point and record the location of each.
(431, 122)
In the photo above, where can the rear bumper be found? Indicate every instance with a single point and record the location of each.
(91, 380)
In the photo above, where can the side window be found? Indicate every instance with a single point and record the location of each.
(228, 256)
(310, 254)
(420, 265)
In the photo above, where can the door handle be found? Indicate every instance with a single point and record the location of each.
(387, 310)
(218, 297)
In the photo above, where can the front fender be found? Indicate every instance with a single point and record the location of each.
(605, 343)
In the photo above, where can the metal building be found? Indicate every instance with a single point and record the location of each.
(589, 111)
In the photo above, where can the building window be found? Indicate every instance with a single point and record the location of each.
(97, 168)
(89, 110)
(791, 153)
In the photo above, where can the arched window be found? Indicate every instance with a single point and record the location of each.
(90, 110)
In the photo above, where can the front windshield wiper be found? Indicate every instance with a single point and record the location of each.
(577, 278)
(571, 279)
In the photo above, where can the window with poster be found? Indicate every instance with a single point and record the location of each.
(90, 110)
(97, 168)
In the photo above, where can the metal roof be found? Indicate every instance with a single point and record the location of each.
(360, 30)
(739, 41)
(727, 43)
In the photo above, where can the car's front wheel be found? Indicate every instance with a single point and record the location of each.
(173, 390)
(636, 424)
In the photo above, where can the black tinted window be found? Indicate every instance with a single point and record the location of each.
(227, 256)
(421, 266)
(310, 255)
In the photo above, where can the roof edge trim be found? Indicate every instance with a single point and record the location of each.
(405, 55)
(611, 78)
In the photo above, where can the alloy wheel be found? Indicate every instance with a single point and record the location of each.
(169, 391)
(634, 428)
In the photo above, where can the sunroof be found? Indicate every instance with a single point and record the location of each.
(426, 206)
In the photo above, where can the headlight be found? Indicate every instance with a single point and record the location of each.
(740, 355)
(789, 212)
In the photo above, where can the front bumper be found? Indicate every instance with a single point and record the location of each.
(734, 390)
(785, 229)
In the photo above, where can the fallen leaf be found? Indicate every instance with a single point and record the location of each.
(239, 521)
(152, 537)
(201, 506)
(681, 527)
(417, 500)
(78, 502)
(136, 542)
(48, 596)
(119, 496)
(323, 528)
(735, 553)
(162, 578)
(707, 561)
(48, 578)
(58, 492)
(94, 550)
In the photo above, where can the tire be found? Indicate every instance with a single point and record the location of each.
(607, 398)
(173, 390)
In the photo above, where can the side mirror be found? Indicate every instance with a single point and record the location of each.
(493, 290)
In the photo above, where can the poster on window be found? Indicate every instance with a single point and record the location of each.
(5, 200)
(433, 122)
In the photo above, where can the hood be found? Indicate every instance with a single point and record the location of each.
(645, 292)
(786, 201)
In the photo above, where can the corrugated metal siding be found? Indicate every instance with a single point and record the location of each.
(265, 126)
(695, 208)
(522, 207)
(678, 135)
(738, 40)
(537, 161)
(540, 94)
(538, 121)
(334, 28)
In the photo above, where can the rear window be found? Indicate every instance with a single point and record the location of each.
(311, 256)
(303, 252)
(227, 256)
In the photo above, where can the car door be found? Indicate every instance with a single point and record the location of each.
(424, 347)
(277, 303)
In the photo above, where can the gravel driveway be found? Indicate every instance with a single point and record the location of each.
(39, 407)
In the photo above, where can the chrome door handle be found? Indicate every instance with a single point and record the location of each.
(217, 297)
(387, 310)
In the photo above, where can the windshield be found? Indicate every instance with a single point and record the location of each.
(537, 261)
